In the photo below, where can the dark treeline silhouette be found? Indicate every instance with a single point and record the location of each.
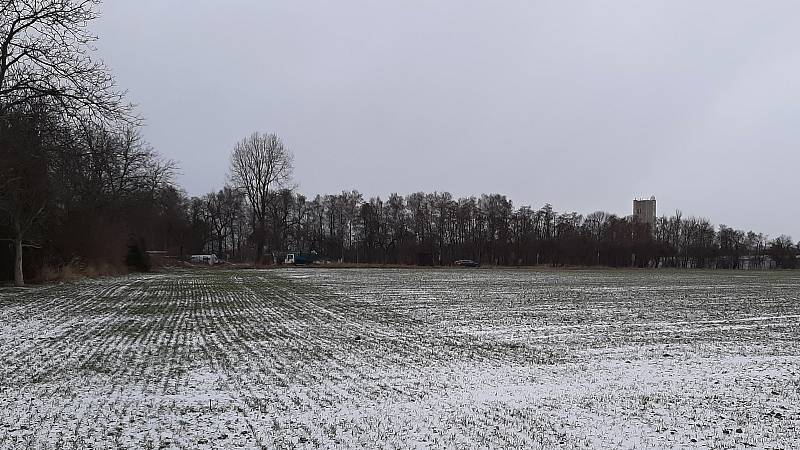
(78, 186)
(80, 189)
(437, 229)
(79, 194)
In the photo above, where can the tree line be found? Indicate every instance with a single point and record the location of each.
(438, 229)
(79, 187)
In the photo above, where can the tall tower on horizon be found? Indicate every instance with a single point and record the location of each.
(645, 211)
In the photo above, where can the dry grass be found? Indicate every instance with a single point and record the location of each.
(77, 270)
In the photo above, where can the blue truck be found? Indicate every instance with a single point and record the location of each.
(299, 258)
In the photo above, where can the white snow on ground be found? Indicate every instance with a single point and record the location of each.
(403, 358)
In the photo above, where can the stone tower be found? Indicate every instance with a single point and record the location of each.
(645, 211)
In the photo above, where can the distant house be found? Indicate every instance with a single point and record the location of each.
(204, 259)
(756, 262)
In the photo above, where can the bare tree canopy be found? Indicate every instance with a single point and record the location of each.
(260, 163)
(45, 55)
(47, 75)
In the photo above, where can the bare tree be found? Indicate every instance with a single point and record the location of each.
(24, 181)
(45, 54)
(260, 164)
(46, 62)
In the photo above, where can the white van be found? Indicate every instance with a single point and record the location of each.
(204, 259)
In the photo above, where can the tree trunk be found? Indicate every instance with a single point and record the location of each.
(259, 250)
(19, 280)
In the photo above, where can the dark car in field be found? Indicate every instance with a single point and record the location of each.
(465, 263)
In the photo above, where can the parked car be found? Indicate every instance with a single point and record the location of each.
(466, 263)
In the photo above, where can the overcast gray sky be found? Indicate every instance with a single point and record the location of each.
(582, 104)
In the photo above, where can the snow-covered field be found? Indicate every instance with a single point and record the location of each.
(404, 358)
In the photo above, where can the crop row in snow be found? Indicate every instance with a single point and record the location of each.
(399, 358)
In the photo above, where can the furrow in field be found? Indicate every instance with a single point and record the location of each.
(403, 358)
